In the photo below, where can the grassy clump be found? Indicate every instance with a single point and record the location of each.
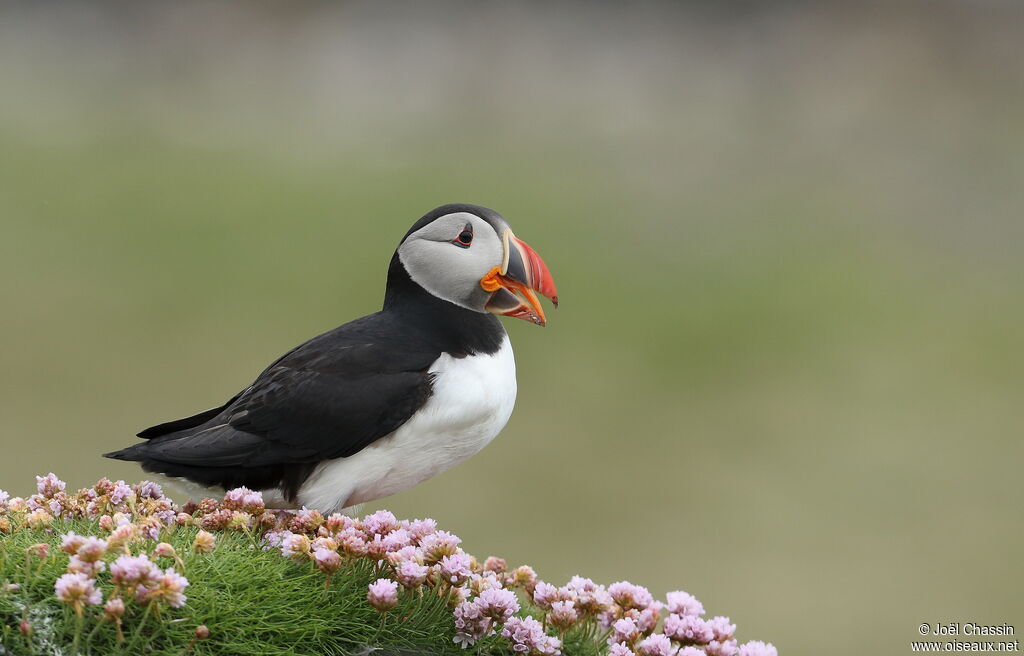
(254, 601)
(100, 572)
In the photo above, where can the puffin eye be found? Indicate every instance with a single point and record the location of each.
(465, 237)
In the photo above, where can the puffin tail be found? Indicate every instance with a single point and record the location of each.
(134, 453)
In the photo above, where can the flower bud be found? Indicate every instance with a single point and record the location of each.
(114, 608)
(204, 542)
(40, 550)
(164, 550)
(39, 519)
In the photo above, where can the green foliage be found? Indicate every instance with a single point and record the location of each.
(254, 602)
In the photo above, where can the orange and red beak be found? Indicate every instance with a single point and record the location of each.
(513, 284)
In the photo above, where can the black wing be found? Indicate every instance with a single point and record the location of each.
(328, 398)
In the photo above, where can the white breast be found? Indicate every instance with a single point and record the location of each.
(471, 402)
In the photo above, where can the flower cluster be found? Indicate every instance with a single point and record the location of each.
(127, 563)
(131, 520)
(633, 618)
(413, 557)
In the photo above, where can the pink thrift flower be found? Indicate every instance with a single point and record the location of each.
(376, 549)
(306, 521)
(470, 624)
(688, 629)
(274, 539)
(204, 542)
(628, 595)
(89, 568)
(253, 503)
(522, 576)
(49, 485)
(328, 561)
(421, 527)
(620, 649)
(497, 604)
(338, 522)
(91, 549)
(240, 521)
(406, 553)
(545, 594)
(164, 550)
(722, 648)
(114, 608)
(656, 645)
(397, 539)
(647, 618)
(70, 542)
(216, 520)
(758, 648)
(39, 519)
(128, 571)
(103, 486)
(562, 615)
(168, 588)
(40, 550)
(495, 564)
(457, 595)
(122, 536)
(486, 581)
(324, 543)
(233, 498)
(352, 541)
(411, 574)
(437, 545)
(149, 490)
(295, 546)
(683, 603)
(721, 628)
(690, 651)
(527, 635)
(380, 523)
(121, 493)
(591, 598)
(624, 630)
(17, 504)
(383, 594)
(77, 589)
(455, 569)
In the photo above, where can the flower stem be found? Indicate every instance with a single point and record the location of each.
(79, 619)
(92, 634)
(138, 629)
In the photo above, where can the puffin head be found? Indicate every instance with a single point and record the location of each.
(467, 255)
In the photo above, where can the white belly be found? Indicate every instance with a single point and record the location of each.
(471, 402)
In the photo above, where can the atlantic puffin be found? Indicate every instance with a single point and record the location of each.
(383, 402)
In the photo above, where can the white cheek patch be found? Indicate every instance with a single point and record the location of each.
(447, 271)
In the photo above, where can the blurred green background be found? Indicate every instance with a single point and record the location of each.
(788, 368)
